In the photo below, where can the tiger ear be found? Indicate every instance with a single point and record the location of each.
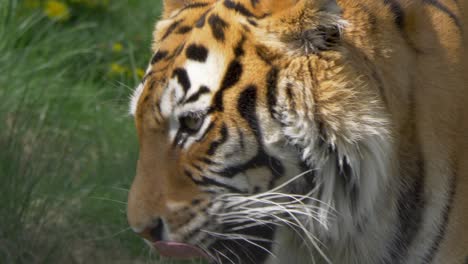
(302, 26)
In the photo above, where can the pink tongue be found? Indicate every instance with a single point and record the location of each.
(179, 250)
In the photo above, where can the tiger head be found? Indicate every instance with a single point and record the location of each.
(256, 119)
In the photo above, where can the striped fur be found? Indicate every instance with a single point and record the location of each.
(306, 131)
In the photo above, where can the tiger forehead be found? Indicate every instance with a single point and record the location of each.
(217, 17)
(194, 36)
(201, 32)
(249, 8)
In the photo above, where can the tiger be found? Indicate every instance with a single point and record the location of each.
(304, 131)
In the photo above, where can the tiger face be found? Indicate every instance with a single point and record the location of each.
(249, 121)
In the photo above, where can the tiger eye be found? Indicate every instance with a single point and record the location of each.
(191, 124)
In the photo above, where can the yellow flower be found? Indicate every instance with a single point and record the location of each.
(117, 47)
(57, 10)
(140, 72)
(116, 68)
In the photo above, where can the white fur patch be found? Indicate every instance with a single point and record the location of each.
(135, 98)
(208, 74)
(136, 95)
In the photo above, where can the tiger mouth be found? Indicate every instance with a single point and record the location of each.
(254, 248)
(179, 250)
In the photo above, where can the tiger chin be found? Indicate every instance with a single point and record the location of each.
(305, 131)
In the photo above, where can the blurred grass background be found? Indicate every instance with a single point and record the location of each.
(67, 145)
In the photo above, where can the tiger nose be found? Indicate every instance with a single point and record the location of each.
(153, 233)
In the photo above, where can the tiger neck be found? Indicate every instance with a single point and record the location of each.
(370, 229)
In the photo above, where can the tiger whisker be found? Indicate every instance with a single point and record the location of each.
(236, 199)
(275, 207)
(218, 259)
(207, 252)
(309, 234)
(280, 221)
(245, 238)
(235, 236)
(279, 208)
(110, 236)
(226, 257)
(293, 179)
(233, 253)
(120, 189)
(108, 200)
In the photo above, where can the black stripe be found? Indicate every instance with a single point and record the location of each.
(443, 225)
(276, 168)
(193, 6)
(437, 4)
(159, 56)
(262, 54)
(262, 159)
(195, 231)
(194, 97)
(246, 106)
(208, 161)
(182, 78)
(246, 27)
(252, 22)
(272, 89)
(188, 174)
(198, 168)
(216, 144)
(184, 29)
(171, 29)
(218, 25)
(238, 7)
(201, 21)
(189, 7)
(246, 253)
(466, 260)
(397, 11)
(241, 139)
(205, 181)
(231, 77)
(411, 204)
(239, 49)
(177, 51)
(210, 182)
(197, 53)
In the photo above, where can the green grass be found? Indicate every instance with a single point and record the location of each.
(67, 145)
